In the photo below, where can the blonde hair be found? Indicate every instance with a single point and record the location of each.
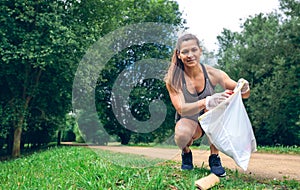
(173, 77)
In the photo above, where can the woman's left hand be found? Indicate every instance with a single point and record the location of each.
(245, 87)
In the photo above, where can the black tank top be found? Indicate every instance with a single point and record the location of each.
(208, 90)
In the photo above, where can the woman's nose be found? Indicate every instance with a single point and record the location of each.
(190, 54)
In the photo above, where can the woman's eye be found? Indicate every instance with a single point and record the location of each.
(184, 52)
(193, 50)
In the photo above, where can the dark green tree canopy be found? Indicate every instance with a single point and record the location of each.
(42, 43)
(266, 53)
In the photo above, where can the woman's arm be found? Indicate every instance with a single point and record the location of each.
(183, 108)
(220, 77)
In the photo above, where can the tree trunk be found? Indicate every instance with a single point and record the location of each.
(16, 152)
(125, 138)
(17, 142)
(59, 137)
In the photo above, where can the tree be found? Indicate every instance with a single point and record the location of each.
(266, 53)
(147, 90)
(41, 43)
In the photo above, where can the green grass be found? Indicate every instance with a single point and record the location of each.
(279, 149)
(84, 169)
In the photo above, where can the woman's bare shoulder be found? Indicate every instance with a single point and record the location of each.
(210, 68)
(213, 73)
(218, 76)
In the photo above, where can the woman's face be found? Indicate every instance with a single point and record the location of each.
(189, 53)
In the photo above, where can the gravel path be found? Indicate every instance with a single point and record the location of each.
(271, 166)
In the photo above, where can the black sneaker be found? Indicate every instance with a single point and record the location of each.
(216, 166)
(187, 161)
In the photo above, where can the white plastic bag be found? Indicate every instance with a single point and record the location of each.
(228, 127)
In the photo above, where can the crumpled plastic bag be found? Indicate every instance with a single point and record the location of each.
(228, 127)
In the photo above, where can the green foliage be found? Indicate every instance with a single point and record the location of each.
(141, 96)
(266, 53)
(42, 43)
(40, 48)
(144, 92)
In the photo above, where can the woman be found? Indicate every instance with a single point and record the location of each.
(191, 89)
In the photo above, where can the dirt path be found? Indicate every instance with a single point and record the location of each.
(271, 166)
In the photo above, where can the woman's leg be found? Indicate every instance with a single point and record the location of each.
(215, 162)
(213, 149)
(186, 131)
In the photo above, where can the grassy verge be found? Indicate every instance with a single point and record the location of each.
(279, 149)
(82, 168)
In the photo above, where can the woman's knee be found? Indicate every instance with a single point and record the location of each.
(182, 141)
(182, 134)
(185, 131)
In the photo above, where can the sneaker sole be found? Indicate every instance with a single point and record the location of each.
(223, 175)
(188, 168)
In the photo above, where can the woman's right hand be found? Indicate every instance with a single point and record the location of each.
(215, 99)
